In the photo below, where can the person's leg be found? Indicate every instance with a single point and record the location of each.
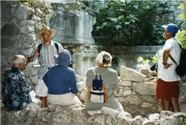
(165, 104)
(175, 104)
(44, 102)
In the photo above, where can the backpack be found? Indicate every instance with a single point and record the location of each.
(181, 68)
(97, 92)
(40, 45)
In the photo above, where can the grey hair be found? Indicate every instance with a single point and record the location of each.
(18, 59)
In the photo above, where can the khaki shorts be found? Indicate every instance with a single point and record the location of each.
(64, 99)
(41, 89)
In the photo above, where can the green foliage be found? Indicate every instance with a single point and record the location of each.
(181, 35)
(147, 62)
(24, 2)
(130, 23)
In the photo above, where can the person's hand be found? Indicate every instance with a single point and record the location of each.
(30, 89)
(36, 53)
(166, 66)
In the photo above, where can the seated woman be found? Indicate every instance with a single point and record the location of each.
(102, 84)
(61, 81)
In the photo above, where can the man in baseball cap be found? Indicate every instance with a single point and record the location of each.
(168, 80)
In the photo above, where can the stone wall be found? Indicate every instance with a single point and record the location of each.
(77, 115)
(73, 22)
(136, 93)
(19, 27)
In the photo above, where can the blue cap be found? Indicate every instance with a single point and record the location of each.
(171, 28)
(64, 58)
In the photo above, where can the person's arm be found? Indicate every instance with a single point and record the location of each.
(166, 53)
(74, 85)
(31, 58)
(116, 80)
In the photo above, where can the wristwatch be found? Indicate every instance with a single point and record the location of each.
(164, 63)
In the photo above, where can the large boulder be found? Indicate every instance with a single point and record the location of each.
(144, 88)
(128, 74)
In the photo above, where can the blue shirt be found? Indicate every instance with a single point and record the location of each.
(15, 89)
(60, 80)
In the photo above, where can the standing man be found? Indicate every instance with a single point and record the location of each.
(15, 89)
(46, 53)
(168, 80)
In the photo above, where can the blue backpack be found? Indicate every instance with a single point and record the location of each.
(97, 92)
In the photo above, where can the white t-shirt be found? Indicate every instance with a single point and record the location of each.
(170, 73)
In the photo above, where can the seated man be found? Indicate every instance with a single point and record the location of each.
(102, 84)
(15, 89)
(61, 81)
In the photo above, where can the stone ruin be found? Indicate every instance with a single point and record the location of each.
(136, 94)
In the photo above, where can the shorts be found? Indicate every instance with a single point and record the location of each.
(41, 89)
(167, 90)
(63, 99)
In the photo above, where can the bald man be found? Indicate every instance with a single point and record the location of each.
(15, 87)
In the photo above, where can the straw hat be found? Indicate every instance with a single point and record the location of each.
(40, 36)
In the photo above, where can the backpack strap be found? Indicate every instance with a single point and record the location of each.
(172, 59)
(39, 47)
(105, 92)
(89, 90)
(181, 50)
(56, 45)
(104, 74)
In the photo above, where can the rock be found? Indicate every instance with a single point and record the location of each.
(144, 88)
(109, 111)
(149, 99)
(131, 100)
(138, 120)
(183, 107)
(39, 12)
(125, 115)
(96, 120)
(146, 105)
(79, 116)
(38, 3)
(124, 121)
(125, 83)
(154, 116)
(24, 12)
(166, 113)
(150, 122)
(145, 71)
(169, 120)
(81, 85)
(36, 18)
(27, 23)
(26, 29)
(128, 74)
(109, 120)
(126, 93)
